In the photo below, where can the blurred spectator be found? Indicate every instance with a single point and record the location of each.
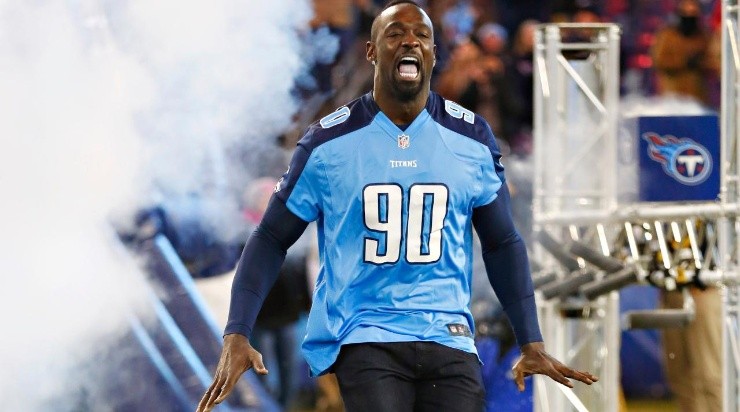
(513, 12)
(476, 78)
(339, 16)
(684, 62)
(367, 10)
(714, 57)
(458, 22)
(693, 354)
(460, 70)
(484, 11)
(521, 72)
(680, 54)
(341, 19)
(585, 13)
(492, 39)
(436, 10)
(687, 61)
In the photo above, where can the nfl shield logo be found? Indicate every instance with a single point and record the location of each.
(403, 141)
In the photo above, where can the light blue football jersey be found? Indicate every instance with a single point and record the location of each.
(394, 214)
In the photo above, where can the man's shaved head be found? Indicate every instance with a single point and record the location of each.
(376, 22)
(403, 52)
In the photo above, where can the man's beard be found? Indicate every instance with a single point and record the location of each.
(407, 92)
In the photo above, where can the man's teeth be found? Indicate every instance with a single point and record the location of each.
(408, 71)
(407, 68)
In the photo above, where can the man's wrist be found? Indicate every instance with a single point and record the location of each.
(235, 337)
(532, 347)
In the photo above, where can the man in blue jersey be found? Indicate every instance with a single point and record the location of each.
(396, 180)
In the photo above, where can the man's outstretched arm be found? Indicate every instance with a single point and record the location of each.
(256, 273)
(507, 265)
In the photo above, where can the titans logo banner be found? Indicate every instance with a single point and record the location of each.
(678, 157)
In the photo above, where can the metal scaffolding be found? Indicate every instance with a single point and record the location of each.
(589, 245)
(575, 135)
(729, 224)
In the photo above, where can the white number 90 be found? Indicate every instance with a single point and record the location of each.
(389, 198)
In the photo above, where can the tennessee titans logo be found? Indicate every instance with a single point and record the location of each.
(683, 159)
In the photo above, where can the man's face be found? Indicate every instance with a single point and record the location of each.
(403, 50)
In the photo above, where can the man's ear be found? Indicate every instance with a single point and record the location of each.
(370, 52)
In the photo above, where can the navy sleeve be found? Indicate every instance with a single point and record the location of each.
(260, 263)
(505, 258)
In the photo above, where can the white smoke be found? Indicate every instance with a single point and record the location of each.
(69, 157)
(224, 73)
(98, 102)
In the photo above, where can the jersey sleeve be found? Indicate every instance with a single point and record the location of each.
(507, 265)
(260, 263)
(299, 187)
(492, 169)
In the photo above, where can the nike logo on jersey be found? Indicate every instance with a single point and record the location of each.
(402, 163)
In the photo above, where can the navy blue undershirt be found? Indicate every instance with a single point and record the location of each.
(504, 255)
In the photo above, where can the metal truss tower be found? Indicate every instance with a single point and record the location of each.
(589, 245)
(575, 137)
(728, 223)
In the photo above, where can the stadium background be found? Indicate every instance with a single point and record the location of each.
(125, 123)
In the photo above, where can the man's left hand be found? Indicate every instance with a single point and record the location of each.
(534, 360)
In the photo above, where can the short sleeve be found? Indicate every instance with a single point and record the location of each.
(492, 176)
(299, 187)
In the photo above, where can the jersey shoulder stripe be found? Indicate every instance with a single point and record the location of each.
(351, 117)
(345, 120)
(454, 117)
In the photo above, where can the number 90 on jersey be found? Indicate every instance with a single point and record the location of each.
(383, 217)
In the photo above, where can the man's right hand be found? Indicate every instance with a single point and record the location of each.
(237, 357)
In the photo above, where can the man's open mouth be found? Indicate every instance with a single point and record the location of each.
(408, 68)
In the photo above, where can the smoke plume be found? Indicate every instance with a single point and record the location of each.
(106, 107)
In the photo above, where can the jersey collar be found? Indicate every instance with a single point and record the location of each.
(389, 127)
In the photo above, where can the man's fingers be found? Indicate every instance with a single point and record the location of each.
(207, 395)
(258, 366)
(223, 393)
(584, 377)
(520, 372)
(519, 379)
(557, 376)
(227, 387)
(561, 373)
(535, 360)
(205, 402)
(233, 376)
(260, 369)
(214, 392)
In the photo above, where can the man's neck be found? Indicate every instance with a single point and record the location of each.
(400, 112)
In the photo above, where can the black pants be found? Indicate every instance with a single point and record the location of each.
(409, 376)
